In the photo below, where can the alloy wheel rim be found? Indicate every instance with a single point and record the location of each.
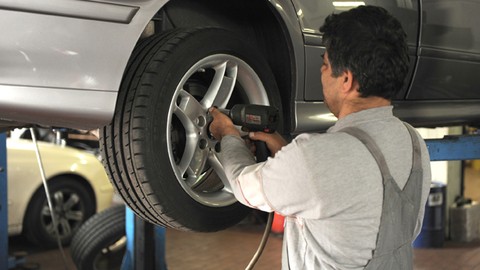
(68, 212)
(197, 163)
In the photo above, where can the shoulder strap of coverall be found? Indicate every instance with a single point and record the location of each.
(366, 139)
(399, 247)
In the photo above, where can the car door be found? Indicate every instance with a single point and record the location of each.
(312, 14)
(449, 52)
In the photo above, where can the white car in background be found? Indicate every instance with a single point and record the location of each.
(78, 185)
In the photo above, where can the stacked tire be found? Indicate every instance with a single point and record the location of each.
(100, 243)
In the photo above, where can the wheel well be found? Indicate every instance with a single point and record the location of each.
(255, 20)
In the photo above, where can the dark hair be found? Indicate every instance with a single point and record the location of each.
(370, 43)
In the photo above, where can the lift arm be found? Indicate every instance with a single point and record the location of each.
(463, 147)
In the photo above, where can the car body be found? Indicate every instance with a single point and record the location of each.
(94, 64)
(77, 181)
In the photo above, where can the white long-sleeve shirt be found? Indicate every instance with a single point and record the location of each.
(329, 188)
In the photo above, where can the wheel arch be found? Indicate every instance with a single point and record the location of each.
(257, 21)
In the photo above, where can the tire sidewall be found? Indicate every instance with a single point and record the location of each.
(97, 233)
(171, 70)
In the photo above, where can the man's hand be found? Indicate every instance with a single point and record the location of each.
(221, 125)
(274, 141)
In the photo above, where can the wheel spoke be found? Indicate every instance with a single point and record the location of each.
(187, 158)
(222, 85)
(46, 211)
(74, 215)
(189, 110)
(218, 167)
(50, 229)
(197, 163)
(71, 202)
(66, 229)
(58, 197)
(192, 116)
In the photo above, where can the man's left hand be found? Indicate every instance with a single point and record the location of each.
(274, 141)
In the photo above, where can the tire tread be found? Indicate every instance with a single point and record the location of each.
(95, 233)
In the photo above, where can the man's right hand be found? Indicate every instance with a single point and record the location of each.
(221, 125)
(274, 141)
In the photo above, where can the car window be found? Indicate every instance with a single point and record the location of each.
(451, 25)
(312, 13)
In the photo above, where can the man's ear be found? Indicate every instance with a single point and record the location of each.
(349, 83)
(347, 80)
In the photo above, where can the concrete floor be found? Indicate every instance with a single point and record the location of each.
(233, 248)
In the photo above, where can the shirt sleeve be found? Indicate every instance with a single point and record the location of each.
(247, 178)
(243, 173)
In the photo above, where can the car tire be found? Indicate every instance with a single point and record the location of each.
(100, 243)
(157, 149)
(72, 202)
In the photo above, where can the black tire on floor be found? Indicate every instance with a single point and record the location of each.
(100, 243)
(157, 150)
(73, 203)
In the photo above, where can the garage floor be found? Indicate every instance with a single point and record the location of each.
(233, 248)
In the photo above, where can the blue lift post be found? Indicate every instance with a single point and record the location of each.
(6, 262)
(145, 244)
(3, 203)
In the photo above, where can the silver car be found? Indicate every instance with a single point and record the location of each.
(146, 71)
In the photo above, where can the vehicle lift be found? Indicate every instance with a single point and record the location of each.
(6, 261)
(146, 242)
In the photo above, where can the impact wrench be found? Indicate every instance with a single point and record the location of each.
(253, 117)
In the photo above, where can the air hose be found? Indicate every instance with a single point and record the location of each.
(49, 199)
(263, 242)
(261, 153)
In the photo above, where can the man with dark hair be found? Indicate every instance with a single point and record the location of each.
(376, 54)
(353, 197)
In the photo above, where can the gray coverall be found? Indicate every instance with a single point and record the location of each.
(400, 208)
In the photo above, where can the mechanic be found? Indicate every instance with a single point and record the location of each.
(353, 197)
